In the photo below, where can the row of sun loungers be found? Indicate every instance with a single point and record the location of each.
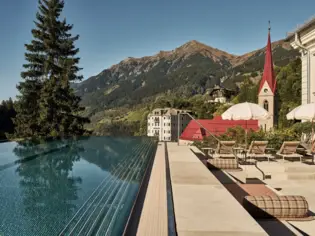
(279, 207)
(257, 150)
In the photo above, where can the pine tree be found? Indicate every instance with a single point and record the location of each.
(47, 105)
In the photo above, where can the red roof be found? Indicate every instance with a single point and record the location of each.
(268, 75)
(216, 126)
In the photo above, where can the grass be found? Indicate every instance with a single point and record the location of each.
(135, 115)
(110, 90)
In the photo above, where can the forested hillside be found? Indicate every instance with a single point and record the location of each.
(119, 98)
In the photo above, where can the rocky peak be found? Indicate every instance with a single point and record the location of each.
(194, 46)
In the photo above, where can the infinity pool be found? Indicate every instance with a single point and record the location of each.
(73, 187)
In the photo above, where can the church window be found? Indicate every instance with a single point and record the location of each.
(266, 105)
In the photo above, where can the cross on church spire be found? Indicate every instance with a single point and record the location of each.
(269, 28)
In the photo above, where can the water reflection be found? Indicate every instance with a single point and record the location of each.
(107, 152)
(48, 187)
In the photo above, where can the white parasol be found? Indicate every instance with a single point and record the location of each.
(304, 112)
(245, 111)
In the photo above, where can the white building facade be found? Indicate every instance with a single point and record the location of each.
(303, 39)
(163, 123)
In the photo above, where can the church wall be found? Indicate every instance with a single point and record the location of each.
(268, 96)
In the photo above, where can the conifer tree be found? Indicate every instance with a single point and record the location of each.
(47, 105)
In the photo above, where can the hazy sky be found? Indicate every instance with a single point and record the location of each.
(111, 30)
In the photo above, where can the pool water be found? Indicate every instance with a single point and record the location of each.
(71, 187)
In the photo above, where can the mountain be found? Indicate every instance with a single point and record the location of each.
(187, 70)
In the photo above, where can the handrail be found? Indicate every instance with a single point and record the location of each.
(263, 174)
(218, 140)
(235, 156)
(198, 124)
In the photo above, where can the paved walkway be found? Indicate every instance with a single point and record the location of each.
(202, 205)
(153, 220)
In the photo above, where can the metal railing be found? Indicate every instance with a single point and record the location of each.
(212, 135)
(185, 113)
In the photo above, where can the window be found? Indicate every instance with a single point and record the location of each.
(266, 105)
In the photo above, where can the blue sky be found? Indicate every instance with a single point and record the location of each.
(111, 30)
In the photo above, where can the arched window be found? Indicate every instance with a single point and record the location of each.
(266, 105)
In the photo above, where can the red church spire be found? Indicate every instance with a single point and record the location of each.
(268, 75)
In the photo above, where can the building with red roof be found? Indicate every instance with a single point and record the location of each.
(217, 126)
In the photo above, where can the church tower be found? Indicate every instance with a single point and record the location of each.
(267, 89)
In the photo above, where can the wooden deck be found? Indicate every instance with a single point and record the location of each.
(153, 220)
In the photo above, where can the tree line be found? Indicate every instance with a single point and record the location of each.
(7, 113)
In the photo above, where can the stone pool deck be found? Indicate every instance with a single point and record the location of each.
(202, 205)
(209, 202)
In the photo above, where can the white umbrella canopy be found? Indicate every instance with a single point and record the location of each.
(303, 112)
(245, 111)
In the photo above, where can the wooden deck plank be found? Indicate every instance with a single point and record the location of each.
(153, 220)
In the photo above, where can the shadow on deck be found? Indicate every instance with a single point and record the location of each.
(239, 190)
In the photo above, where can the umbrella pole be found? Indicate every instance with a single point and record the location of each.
(312, 139)
(246, 134)
(246, 138)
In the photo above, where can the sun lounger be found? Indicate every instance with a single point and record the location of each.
(257, 150)
(224, 150)
(288, 150)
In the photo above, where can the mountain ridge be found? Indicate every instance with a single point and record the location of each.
(192, 43)
(189, 69)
